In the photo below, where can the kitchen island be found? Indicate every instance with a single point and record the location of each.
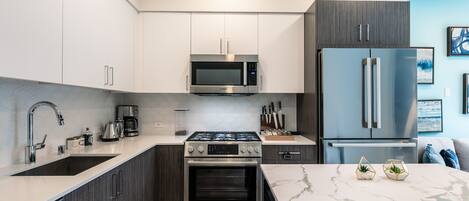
(338, 182)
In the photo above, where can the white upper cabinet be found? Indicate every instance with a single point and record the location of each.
(166, 52)
(281, 53)
(31, 40)
(218, 33)
(241, 33)
(98, 44)
(122, 34)
(208, 32)
(86, 43)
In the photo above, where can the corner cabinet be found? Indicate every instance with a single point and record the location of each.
(281, 53)
(351, 24)
(31, 40)
(98, 44)
(220, 33)
(166, 42)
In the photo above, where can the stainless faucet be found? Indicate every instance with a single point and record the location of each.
(31, 147)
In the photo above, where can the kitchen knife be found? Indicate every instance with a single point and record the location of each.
(274, 115)
(281, 116)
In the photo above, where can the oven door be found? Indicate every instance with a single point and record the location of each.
(220, 179)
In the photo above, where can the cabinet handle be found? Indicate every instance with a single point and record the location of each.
(367, 32)
(187, 82)
(221, 46)
(360, 32)
(112, 76)
(114, 187)
(227, 46)
(119, 183)
(106, 75)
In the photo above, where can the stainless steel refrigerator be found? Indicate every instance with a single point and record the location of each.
(368, 100)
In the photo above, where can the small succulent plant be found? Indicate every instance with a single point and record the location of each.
(396, 170)
(364, 168)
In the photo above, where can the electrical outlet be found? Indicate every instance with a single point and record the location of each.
(447, 92)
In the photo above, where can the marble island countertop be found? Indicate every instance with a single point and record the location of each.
(338, 182)
(50, 188)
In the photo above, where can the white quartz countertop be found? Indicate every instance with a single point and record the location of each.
(337, 182)
(299, 140)
(44, 188)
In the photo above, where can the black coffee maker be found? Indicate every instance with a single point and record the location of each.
(128, 116)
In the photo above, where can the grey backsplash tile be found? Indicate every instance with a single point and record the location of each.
(215, 113)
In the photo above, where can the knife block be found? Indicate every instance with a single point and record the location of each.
(268, 122)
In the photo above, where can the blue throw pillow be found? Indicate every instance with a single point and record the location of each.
(451, 159)
(431, 156)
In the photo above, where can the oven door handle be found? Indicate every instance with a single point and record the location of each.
(223, 163)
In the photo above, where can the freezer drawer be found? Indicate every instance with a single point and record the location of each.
(376, 151)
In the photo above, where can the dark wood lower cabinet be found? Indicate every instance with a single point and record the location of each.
(131, 181)
(169, 173)
(289, 154)
(268, 195)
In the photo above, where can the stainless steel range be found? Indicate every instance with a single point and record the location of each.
(223, 166)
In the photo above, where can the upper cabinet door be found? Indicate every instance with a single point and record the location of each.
(166, 53)
(122, 46)
(241, 33)
(281, 53)
(86, 43)
(339, 24)
(387, 23)
(31, 40)
(208, 32)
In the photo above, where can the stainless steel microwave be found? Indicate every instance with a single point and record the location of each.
(224, 74)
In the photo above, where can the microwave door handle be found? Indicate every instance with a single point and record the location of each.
(245, 73)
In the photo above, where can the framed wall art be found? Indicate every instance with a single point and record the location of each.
(425, 65)
(465, 86)
(458, 41)
(430, 116)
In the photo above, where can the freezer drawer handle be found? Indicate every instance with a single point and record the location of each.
(372, 145)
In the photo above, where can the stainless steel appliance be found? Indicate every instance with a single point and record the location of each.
(223, 166)
(112, 132)
(224, 74)
(128, 115)
(368, 100)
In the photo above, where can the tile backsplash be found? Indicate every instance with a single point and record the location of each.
(214, 113)
(81, 107)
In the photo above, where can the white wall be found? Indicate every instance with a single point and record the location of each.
(207, 113)
(80, 107)
(299, 6)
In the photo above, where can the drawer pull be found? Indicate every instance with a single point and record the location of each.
(289, 153)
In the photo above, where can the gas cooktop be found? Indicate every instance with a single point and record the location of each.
(224, 136)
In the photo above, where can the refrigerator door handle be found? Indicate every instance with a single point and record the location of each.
(376, 63)
(366, 97)
(374, 145)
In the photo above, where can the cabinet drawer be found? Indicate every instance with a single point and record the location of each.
(289, 154)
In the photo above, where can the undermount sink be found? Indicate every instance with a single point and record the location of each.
(68, 166)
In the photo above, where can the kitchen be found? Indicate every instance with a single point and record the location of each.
(198, 88)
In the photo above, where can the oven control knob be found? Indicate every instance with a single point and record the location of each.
(257, 150)
(250, 149)
(190, 149)
(243, 150)
(200, 149)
